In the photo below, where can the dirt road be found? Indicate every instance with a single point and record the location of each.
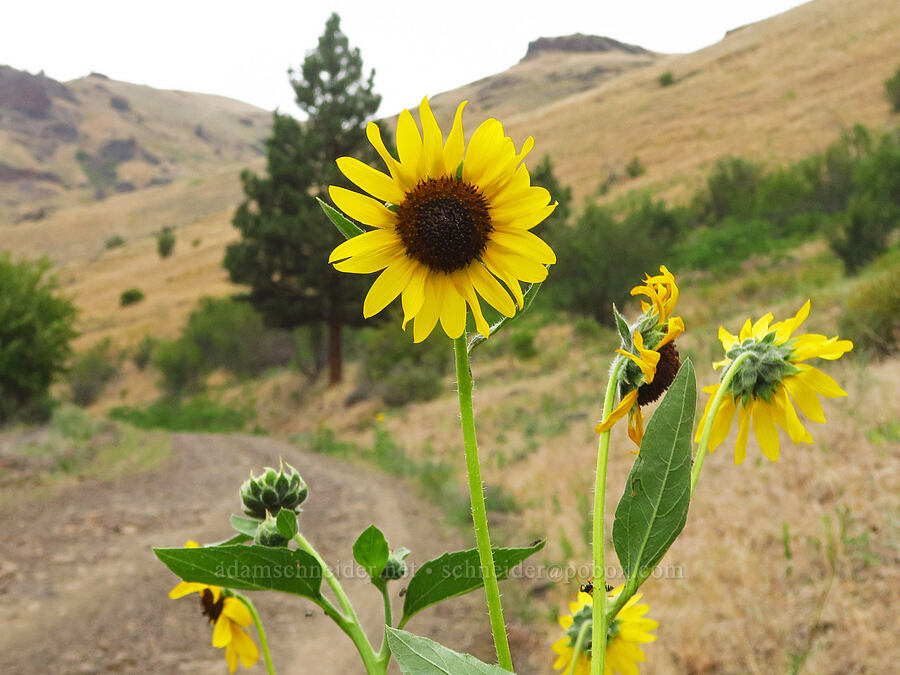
(82, 591)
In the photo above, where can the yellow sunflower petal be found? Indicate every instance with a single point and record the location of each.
(427, 316)
(526, 244)
(387, 286)
(721, 425)
(481, 154)
(726, 338)
(740, 445)
(366, 243)
(222, 632)
(764, 429)
(245, 648)
(805, 398)
(699, 433)
(761, 328)
(231, 656)
(787, 328)
(674, 328)
(409, 142)
(455, 146)
(818, 381)
(413, 296)
(185, 588)
(490, 289)
(453, 312)
(521, 208)
(371, 262)
(403, 176)
(362, 207)
(811, 345)
(237, 611)
(620, 411)
(377, 184)
(432, 162)
(513, 263)
(496, 268)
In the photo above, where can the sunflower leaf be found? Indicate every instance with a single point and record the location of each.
(343, 224)
(371, 551)
(622, 325)
(653, 509)
(457, 573)
(421, 656)
(244, 525)
(529, 296)
(250, 568)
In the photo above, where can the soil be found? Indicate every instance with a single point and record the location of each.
(83, 593)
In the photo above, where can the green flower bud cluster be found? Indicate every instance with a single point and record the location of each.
(765, 367)
(273, 491)
(395, 567)
(268, 534)
(582, 616)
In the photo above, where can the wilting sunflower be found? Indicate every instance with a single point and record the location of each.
(452, 222)
(628, 630)
(770, 380)
(228, 614)
(649, 346)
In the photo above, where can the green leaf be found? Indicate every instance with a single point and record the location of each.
(250, 568)
(371, 551)
(343, 224)
(421, 656)
(239, 538)
(457, 573)
(286, 522)
(529, 296)
(246, 526)
(654, 507)
(622, 325)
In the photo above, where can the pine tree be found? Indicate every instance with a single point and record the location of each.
(285, 237)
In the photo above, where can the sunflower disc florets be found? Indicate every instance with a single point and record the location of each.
(273, 491)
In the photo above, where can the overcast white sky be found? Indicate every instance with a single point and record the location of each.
(243, 49)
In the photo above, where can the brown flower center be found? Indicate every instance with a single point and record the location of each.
(444, 223)
(211, 608)
(666, 370)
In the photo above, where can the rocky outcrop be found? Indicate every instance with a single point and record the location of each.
(580, 43)
(29, 95)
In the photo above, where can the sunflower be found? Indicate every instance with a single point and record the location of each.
(769, 381)
(451, 223)
(628, 630)
(228, 614)
(649, 347)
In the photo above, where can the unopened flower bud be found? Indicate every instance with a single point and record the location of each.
(268, 534)
(273, 491)
(395, 567)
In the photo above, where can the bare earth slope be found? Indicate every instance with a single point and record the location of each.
(84, 593)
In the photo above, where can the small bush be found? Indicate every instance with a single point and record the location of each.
(181, 364)
(635, 167)
(143, 352)
(115, 241)
(730, 190)
(36, 328)
(864, 233)
(198, 414)
(892, 90)
(131, 296)
(401, 372)
(91, 372)
(165, 243)
(871, 316)
(667, 79)
(522, 343)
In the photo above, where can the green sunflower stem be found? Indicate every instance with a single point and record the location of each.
(599, 615)
(260, 631)
(375, 664)
(710, 418)
(479, 513)
(579, 641)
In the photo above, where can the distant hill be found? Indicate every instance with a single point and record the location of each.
(66, 143)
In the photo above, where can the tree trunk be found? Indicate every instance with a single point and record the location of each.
(334, 352)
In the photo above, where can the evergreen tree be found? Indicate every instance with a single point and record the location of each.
(285, 237)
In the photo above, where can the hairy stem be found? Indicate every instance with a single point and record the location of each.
(260, 631)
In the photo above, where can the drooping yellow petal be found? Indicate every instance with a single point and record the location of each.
(525, 243)
(387, 286)
(788, 419)
(464, 287)
(765, 430)
(244, 647)
(222, 632)
(819, 381)
(377, 184)
(414, 294)
(627, 402)
(740, 444)
(237, 611)
(806, 399)
(453, 312)
(711, 390)
(812, 345)
(427, 316)
(721, 425)
(496, 267)
(362, 207)
(674, 328)
(185, 588)
(491, 290)
(522, 267)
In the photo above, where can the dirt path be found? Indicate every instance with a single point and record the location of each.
(82, 591)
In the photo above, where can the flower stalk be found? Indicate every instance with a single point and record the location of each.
(260, 631)
(479, 513)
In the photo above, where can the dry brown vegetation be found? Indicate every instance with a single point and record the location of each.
(774, 91)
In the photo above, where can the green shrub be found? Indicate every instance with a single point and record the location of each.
(197, 414)
(871, 315)
(131, 296)
(667, 79)
(720, 248)
(730, 190)
(181, 364)
(165, 242)
(635, 167)
(115, 241)
(401, 372)
(863, 234)
(892, 90)
(143, 352)
(522, 343)
(36, 328)
(90, 373)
